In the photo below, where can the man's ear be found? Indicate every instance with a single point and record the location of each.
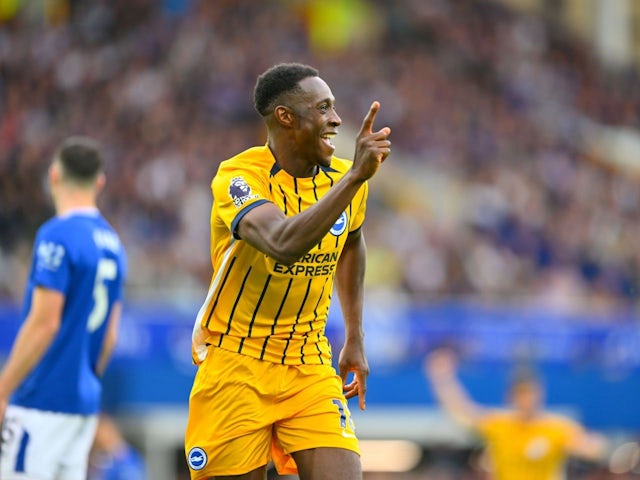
(101, 180)
(284, 116)
(54, 173)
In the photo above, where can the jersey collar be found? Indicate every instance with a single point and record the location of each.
(86, 211)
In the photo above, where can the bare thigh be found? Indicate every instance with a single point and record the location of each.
(328, 464)
(257, 474)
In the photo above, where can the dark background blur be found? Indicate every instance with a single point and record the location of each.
(505, 223)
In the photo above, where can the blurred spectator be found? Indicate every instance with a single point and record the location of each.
(497, 196)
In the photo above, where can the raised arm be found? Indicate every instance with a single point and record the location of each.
(350, 287)
(288, 238)
(587, 445)
(34, 338)
(440, 368)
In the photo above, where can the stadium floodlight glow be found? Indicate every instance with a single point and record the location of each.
(389, 455)
(625, 458)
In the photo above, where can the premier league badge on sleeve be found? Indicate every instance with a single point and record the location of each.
(240, 191)
(49, 255)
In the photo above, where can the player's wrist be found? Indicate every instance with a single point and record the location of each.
(443, 379)
(354, 337)
(354, 177)
(4, 394)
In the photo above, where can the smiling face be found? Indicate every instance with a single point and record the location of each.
(316, 122)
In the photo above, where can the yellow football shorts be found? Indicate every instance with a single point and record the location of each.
(244, 412)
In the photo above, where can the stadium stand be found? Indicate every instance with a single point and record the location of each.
(510, 191)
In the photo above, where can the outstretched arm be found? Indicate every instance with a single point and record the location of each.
(288, 238)
(587, 445)
(35, 336)
(350, 286)
(440, 369)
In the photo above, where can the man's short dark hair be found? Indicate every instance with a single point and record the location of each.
(523, 375)
(80, 158)
(277, 81)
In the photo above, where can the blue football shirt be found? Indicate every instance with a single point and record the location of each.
(80, 255)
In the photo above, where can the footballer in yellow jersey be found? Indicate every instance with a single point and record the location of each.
(527, 449)
(287, 327)
(286, 228)
(523, 442)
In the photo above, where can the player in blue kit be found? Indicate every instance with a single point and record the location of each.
(50, 387)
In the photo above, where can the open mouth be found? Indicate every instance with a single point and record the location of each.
(328, 137)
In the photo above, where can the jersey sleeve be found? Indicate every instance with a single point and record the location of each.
(237, 191)
(568, 431)
(52, 262)
(487, 424)
(124, 270)
(361, 208)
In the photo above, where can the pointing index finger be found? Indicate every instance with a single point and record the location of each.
(362, 389)
(367, 123)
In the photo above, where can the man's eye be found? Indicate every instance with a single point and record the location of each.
(324, 108)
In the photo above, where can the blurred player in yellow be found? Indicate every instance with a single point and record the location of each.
(523, 442)
(286, 220)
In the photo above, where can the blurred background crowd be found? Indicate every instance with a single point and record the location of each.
(497, 188)
(514, 178)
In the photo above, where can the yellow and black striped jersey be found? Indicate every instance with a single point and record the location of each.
(255, 305)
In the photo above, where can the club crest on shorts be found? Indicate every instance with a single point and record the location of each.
(340, 226)
(240, 191)
(197, 458)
